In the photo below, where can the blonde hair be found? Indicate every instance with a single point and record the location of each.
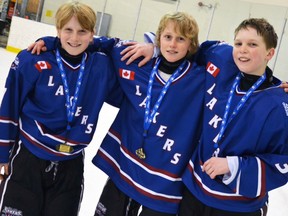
(185, 24)
(85, 15)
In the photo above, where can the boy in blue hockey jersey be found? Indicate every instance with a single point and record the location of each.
(147, 146)
(48, 116)
(243, 152)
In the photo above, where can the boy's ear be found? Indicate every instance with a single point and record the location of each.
(58, 33)
(270, 53)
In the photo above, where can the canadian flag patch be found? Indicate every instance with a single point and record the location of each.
(126, 74)
(212, 69)
(42, 65)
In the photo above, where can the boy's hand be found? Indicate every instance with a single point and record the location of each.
(284, 85)
(2, 174)
(215, 166)
(37, 47)
(136, 50)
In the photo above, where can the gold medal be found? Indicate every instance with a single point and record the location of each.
(140, 153)
(64, 148)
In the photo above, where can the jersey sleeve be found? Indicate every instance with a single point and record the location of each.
(18, 85)
(209, 49)
(263, 172)
(102, 44)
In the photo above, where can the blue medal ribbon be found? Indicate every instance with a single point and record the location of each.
(149, 114)
(70, 105)
(243, 100)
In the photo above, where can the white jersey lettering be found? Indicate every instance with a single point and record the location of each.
(216, 138)
(214, 121)
(50, 82)
(84, 119)
(161, 131)
(210, 90)
(168, 145)
(138, 92)
(78, 111)
(143, 104)
(211, 103)
(176, 158)
(154, 118)
(60, 90)
(89, 129)
(283, 169)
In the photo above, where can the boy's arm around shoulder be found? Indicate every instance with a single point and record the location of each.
(210, 50)
(50, 43)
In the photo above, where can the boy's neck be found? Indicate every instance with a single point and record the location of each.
(169, 67)
(74, 60)
(247, 80)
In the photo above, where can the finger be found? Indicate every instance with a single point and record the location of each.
(212, 175)
(6, 170)
(124, 51)
(30, 47)
(129, 43)
(143, 61)
(34, 50)
(126, 56)
(130, 60)
(205, 166)
(133, 57)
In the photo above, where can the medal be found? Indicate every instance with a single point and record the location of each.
(64, 148)
(140, 153)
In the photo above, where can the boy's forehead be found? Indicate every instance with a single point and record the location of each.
(248, 31)
(249, 34)
(172, 26)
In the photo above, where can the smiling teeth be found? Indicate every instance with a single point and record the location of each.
(74, 45)
(243, 59)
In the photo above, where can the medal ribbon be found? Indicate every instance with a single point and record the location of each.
(243, 100)
(149, 114)
(70, 106)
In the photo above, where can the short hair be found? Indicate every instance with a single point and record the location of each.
(185, 24)
(85, 15)
(263, 28)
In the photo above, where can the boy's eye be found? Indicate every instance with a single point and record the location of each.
(181, 39)
(68, 30)
(237, 44)
(252, 44)
(83, 31)
(167, 36)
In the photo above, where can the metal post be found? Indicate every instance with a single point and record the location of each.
(178, 2)
(136, 23)
(279, 44)
(211, 19)
(101, 18)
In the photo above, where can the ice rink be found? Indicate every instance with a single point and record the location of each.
(95, 179)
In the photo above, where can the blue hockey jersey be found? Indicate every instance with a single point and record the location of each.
(33, 107)
(155, 181)
(257, 136)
